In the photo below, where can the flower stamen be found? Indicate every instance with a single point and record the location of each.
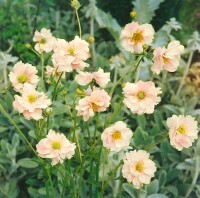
(116, 135)
(22, 78)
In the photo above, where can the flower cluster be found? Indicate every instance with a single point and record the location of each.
(140, 97)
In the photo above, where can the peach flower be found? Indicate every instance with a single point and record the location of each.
(71, 55)
(21, 74)
(134, 36)
(44, 40)
(116, 137)
(141, 97)
(101, 78)
(183, 131)
(55, 146)
(31, 103)
(167, 58)
(138, 168)
(96, 101)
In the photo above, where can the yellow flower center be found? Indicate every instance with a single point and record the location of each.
(71, 51)
(137, 37)
(94, 107)
(42, 41)
(141, 95)
(116, 135)
(181, 130)
(56, 145)
(139, 167)
(165, 60)
(22, 78)
(32, 98)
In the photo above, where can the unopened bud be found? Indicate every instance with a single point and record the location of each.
(145, 47)
(133, 14)
(91, 39)
(123, 85)
(75, 4)
(28, 46)
(80, 92)
(48, 111)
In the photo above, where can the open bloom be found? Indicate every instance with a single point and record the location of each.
(96, 101)
(183, 131)
(71, 55)
(134, 36)
(138, 168)
(31, 103)
(21, 74)
(56, 147)
(101, 78)
(141, 97)
(44, 40)
(116, 137)
(167, 58)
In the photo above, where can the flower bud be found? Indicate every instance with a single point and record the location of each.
(91, 39)
(80, 92)
(123, 85)
(145, 47)
(48, 111)
(28, 46)
(75, 4)
(133, 14)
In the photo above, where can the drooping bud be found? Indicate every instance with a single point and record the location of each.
(123, 85)
(91, 39)
(145, 47)
(133, 14)
(48, 111)
(80, 92)
(75, 4)
(28, 46)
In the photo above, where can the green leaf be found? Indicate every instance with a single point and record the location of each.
(157, 196)
(153, 187)
(27, 163)
(142, 121)
(146, 9)
(129, 188)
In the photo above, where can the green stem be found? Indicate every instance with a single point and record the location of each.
(127, 72)
(54, 91)
(110, 177)
(42, 63)
(79, 24)
(185, 73)
(157, 142)
(50, 180)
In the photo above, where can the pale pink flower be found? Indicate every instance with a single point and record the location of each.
(138, 168)
(134, 36)
(183, 130)
(31, 103)
(21, 74)
(44, 40)
(96, 101)
(116, 137)
(167, 58)
(141, 97)
(52, 71)
(71, 55)
(102, 78)
(55, 146)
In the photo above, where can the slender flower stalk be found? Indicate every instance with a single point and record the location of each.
(185, 73)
